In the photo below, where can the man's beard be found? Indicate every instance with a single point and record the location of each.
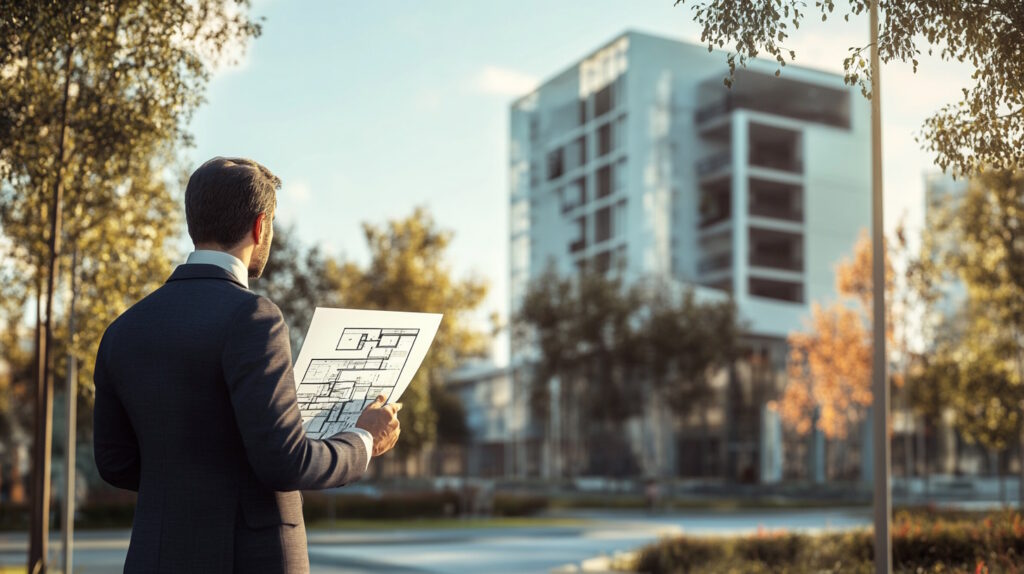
(259, 258)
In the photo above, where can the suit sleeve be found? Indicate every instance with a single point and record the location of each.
(257, 365)
(115, 445)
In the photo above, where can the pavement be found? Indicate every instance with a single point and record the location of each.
(501, 550)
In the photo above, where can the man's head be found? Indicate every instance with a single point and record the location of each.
(229, 205)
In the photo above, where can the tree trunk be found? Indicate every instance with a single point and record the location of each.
(1020, 470)
(1002, 477)
(923, 447)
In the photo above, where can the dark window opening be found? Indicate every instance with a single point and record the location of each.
(580, 242)
(604, 181)
(603, 224)
(776, 249)
(715, 203)
(780, 290)
(556, 164)
(776, 200)
(604, 100)
(604, 140)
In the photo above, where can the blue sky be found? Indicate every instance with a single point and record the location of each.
(367, 109)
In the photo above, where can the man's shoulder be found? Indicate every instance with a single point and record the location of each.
(185, 301)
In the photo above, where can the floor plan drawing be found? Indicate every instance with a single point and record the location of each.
(367, 362)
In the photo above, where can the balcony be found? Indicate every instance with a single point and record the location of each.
(775, 148)
(777, 96)
(776, 200)
(788, 291)
(715, 262)
(778, 250)
(713, 163)
(715, 203)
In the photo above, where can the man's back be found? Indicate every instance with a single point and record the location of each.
(195, 409)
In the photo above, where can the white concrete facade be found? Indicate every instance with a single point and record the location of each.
(663, 143)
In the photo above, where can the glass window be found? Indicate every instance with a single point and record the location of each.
(556, 164)
(603, 224)
(604, 140)
(604, 100)
(579, 239)
(604, 181)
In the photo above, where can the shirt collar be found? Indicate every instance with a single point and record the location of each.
(226, 261)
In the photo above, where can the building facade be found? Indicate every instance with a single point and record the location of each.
(638, 157)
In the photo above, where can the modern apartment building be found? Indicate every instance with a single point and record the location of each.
(638, 157)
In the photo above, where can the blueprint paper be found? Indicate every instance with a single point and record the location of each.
(350, 356)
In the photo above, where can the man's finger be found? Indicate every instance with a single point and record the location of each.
(398, 406)
(393, 408)
(378, 402)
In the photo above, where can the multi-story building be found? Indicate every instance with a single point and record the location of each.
(638, 157)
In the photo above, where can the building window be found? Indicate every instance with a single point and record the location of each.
(603, 261)
(604, 181)
(576, 154)
(583, 111)
(715, 202)
(603, 224)
(579, 241)
(556, 164)
(604, 140)
(780, 290)
(776, 200)
(604, 100)
(619, 177)
(776, 249)
(573, 195)
(775, 148)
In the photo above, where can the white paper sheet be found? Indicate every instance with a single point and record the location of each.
(350, 356)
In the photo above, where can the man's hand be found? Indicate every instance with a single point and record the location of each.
(381, 421)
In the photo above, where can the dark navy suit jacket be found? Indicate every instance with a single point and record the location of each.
(195, 409)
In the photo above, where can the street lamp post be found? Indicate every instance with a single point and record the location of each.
(879, 382)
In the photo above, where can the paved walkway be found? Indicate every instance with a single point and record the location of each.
(511, 550)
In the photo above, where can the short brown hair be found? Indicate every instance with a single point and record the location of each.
(224, 196)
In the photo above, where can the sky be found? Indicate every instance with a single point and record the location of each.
(368, 109)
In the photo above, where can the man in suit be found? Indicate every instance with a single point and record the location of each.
(195, 400)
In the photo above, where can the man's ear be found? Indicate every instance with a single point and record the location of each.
(257, 228)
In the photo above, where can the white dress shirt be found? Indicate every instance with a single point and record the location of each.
(239, 271)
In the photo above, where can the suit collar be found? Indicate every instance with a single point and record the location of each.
(203, 271)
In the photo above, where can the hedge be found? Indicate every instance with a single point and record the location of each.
(923, 541)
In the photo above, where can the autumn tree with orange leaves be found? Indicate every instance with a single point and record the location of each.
(829, 370)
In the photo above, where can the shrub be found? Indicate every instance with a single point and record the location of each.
(681, 555)
(518, 504)
(923, 541)
(392, 506)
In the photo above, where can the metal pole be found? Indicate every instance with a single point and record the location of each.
(40, 528)
(72, 419)
(879, 382)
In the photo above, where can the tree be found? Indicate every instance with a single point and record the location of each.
(408, 271)
(988, 394)
(986, 127)
(985, 249)
(829, 384)
(119, 81)
(295, 279)
(605, 344)
(829, 371)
